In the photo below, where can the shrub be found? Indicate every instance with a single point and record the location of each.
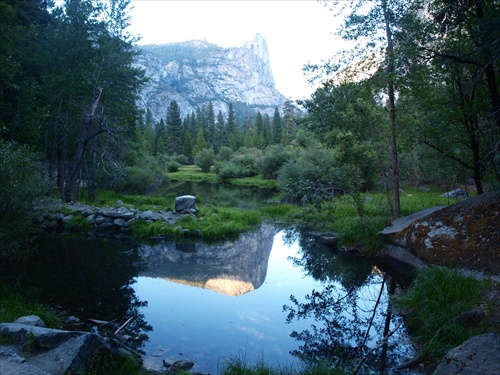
(204, 159)
(225, 153)
(22, 186)
(316, 175)
(173, 166)
(271, 162)
(142, 179)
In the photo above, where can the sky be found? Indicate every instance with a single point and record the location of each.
(297, 32)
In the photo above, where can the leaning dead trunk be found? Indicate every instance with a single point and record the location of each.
(85, 136)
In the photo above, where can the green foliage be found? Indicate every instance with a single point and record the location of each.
(436, 296)
(316, 175)
(192, 173)
(16, 301)
(22, 186)
(78, 223)
(173, 166)
(272, 160)
(145, 178)
(212, 223)
(205, 159)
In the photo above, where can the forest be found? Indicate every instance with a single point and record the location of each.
(414, 103)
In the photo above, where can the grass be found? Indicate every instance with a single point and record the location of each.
(435, 297)
(193, 173)
(237, 365)
(16, 301)
(212, 223)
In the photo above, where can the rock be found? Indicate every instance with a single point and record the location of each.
(12, 364)
(463, 235)
(457, 193)
(479, 355)
(30, 320)
(178, 365)
(72, 320)
(185, 202)
(148, 215)
(55, 351)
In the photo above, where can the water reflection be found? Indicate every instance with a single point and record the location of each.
(232, 268)
(89, 278)
(182, 298)
(352, 314)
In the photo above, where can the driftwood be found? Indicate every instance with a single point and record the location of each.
(123, 325)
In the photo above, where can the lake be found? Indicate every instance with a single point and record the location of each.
(276, 295)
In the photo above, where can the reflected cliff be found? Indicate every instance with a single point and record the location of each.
(232, 268)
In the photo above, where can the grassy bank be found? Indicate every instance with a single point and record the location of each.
(16, 301)
(434, 299)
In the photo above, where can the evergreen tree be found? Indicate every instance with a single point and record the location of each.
(160, 136)
(220, 133)
(187, 148)
(210, 125)
(276, 127)
(174, 128)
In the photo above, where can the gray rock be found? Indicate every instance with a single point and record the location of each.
(72, 320)
(177, 365)
(13, 364)
(479, 355)
(457, 193)
(90, 218)
(57, 351)
(30, 320)
(119, 222)
(99, 220)
(147, 215)
(185, 202)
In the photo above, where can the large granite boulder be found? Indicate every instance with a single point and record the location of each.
(185, 203)
(479, 355)
(464, 235)
(31, 349)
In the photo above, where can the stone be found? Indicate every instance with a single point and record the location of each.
(119, 222)
(72, 320)
(13, 364)
(457, 193)
(58, 351)
(148, 215)
(463, 235)
(178, 365)
(479, 355)
(185, 202)
(30, 320)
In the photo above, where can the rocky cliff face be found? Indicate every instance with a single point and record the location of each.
(195, 73)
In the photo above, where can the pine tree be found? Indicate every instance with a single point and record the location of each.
(276, 127)
(174, 128)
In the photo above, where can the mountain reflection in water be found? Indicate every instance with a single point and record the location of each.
(296, 299)
(232, 268)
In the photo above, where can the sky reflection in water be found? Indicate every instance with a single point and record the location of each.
(207, 327)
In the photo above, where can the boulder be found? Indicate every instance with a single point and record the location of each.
(185, 202)
(479, 355)
(457, 193)
(30, 320)
(464, 235)
(39, 350)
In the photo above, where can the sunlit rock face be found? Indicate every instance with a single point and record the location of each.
(232, 268)
(195, 73)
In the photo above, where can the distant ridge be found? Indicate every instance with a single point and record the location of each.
(194, 73)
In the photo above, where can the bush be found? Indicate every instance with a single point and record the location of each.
(204, 159)
(173, 166)
(21, 188)
(225, 154)
(316, 175)
(142, 179)
(271, 162)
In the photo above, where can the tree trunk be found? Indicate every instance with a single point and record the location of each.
(85, 136)
(392, 112)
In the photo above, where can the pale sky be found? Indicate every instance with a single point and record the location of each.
(296, 31)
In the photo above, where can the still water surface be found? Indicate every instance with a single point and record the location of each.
(276, 295)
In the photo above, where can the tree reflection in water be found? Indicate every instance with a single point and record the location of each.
(352, 311)
(89, 278)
